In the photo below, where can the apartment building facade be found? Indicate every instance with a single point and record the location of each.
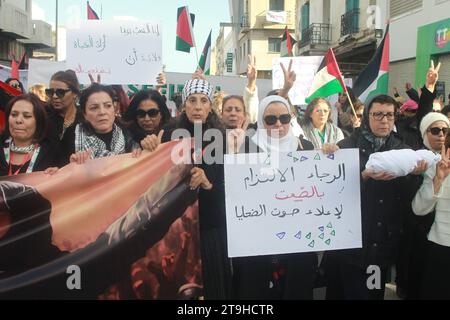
(19, 33)
(257, 29)
(353, 28)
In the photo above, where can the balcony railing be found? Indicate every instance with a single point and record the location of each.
(316, 34)
(245, 21)
(350, 22)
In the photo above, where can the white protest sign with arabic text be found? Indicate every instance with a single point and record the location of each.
(309, 202)
(305, 68)
(122, 52)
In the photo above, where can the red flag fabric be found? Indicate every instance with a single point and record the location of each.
(91, 14)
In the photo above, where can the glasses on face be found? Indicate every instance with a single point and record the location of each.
(379, 116)
(272, 120)
(15, 85)
(152, 113)
(60, 93)
(436, 131)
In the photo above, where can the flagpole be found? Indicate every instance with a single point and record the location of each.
(198, 60)
(56, 32)
(351, 103)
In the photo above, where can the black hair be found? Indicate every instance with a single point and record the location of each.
(84, 97)
(20, 83)
(39, 114)
(69, 77)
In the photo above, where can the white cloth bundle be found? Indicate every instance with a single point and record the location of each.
(400, 163)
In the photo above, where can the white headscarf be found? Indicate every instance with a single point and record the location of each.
(269, 144)
(426, 123)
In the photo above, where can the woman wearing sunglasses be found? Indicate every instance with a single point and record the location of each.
(62, 97)
(383, 199)
(317, 124)
(434, 128)
(434, 196)
(16, 84)
(147, 115)
(252, 275)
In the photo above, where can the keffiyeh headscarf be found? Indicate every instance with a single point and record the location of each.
(197, 86)
(85, 141)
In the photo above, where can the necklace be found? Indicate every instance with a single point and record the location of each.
(22, 150)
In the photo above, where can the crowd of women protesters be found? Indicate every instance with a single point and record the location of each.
(405, 220)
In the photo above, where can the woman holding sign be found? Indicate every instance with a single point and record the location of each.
(361, 273)
(275, 277)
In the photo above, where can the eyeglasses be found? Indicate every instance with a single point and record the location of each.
(436, 131)
(272, 120)
(379, 116)
(152, 113)
(60, 93)
(15, 85)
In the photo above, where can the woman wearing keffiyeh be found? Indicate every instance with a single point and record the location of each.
(99, 135)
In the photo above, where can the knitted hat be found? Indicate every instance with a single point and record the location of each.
(427, 121)
(409, 105)
(197, 86)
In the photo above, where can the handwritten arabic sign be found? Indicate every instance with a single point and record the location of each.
(305, 68)
(310, 202)
(122, 52)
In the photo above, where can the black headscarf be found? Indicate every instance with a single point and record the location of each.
(377, 142)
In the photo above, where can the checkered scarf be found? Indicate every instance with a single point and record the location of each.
(85, 142)
(197, 86)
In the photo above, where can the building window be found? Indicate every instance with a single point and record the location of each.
(276, 5)
(274, 45)
(399, 7)
(350, 20)
(304, 24)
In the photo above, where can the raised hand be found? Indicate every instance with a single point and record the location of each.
(289, 79)
(91, 78)
(151, 143)
(252, 73)
(432, 76)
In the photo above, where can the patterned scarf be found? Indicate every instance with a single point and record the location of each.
(312, 134)
(85, 141)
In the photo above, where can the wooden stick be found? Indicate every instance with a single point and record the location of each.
(351, 103)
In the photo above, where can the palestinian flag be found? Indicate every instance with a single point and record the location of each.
(374, 79)
(287, 44)
(328, 80)
(91, 14)
(205, 59)
(185, 31)
(16, 66)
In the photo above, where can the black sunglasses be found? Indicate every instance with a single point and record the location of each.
(272, 120)
(152, 113)
(60, 93)
(437, 131)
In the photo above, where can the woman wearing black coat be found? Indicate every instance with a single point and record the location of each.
(382, 199)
